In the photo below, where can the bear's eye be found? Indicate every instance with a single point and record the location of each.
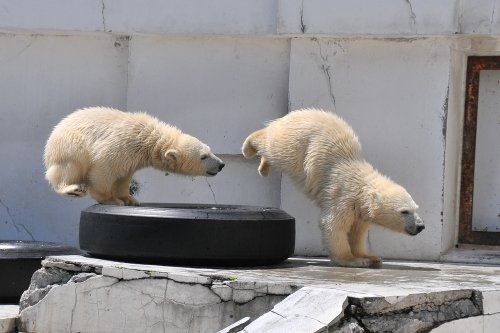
(405, 212)
(204, 157)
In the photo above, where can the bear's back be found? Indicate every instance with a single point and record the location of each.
(93, 122)
(308, 145)
(317, 133)
(99, 132)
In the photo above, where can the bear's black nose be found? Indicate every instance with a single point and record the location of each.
(420, 227)
(221, 166)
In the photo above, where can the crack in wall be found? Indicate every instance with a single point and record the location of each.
(103, 7)
(278, 314)
(413, 17)
(302, 24)
(460, 17)
(14, 224)
(73, 310)
(326, 69)
(211, 190)
(492, 17)
(163, 312)
(444, 120)
(27, 231)
(7, 210)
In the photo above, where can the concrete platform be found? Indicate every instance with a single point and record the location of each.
(80, 294)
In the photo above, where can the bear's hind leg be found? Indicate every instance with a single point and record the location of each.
(67, 179)
(252, 143)
(104, 198)
(101, 187)
(121, 190)
(357, 238)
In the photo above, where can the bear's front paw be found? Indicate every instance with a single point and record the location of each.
(375, 260)
(368, 261)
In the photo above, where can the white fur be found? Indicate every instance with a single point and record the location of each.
(97, 150)
(322, 155)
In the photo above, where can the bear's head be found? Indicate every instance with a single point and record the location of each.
(191, 157)
(391, 206)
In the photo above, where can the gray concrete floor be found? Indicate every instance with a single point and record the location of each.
(391, 277)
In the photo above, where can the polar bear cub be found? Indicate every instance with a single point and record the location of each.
(322, 155)
(97, 150)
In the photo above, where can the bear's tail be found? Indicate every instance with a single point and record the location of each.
(248, 149)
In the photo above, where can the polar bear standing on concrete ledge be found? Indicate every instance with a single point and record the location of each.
(322, 155)
(97, 150)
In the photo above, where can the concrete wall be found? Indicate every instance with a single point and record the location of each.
(219, 70)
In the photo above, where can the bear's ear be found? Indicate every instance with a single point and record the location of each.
(171, 155)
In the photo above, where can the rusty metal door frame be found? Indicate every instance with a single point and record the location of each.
(465, 233)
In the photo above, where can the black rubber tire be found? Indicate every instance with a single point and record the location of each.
(188, 234)
(19, 260)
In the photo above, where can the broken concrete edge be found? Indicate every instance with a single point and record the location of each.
(237, 326)
(414, 311)
(410, 313)
(55, 272)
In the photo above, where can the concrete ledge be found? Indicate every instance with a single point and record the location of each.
(74, 293)
(471, 254)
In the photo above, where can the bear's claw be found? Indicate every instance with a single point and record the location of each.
(368, 261)
(75, 190)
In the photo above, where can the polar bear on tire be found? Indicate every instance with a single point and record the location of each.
(97, 150)
(322, 155)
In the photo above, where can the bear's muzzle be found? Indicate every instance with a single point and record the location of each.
(415, 225)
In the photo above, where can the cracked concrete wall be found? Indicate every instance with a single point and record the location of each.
(83, 300)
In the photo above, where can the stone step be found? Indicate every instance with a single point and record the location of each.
(8, 315)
